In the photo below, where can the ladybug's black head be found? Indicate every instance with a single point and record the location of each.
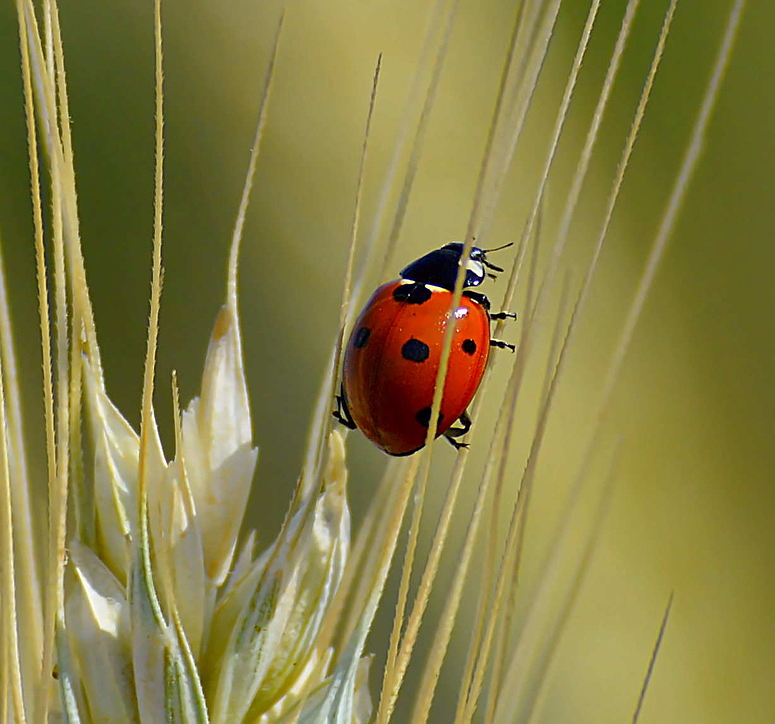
(440, 267)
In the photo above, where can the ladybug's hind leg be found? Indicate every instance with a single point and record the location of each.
(453, 432)
(455, 444)
(342, 412)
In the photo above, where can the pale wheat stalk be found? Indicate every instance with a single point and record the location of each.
(144, 604)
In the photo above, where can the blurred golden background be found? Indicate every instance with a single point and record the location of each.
(695, 408)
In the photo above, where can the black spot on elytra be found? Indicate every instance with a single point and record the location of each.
(362, 337)
(415, 350)
(414, 293)
(424, 417)
(469, 346)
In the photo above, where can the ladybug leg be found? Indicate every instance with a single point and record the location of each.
(497, 342)
(465, 426)
(455, 444)
(478, 297)
(482, 299)
(502, 345)
(453, 432)
(342, 412)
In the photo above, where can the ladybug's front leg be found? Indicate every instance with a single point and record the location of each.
(484, 301)
(342, 412)
(478, 297)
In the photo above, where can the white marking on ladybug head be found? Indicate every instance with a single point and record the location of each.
(476, 267)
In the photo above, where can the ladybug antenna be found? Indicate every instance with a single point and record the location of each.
(498, 248)
(490, 265)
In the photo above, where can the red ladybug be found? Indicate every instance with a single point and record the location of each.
(393, 354)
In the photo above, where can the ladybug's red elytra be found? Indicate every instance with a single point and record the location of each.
(393, 353)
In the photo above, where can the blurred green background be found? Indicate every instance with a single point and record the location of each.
(695, 408)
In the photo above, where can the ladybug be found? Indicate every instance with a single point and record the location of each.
(393, 353)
